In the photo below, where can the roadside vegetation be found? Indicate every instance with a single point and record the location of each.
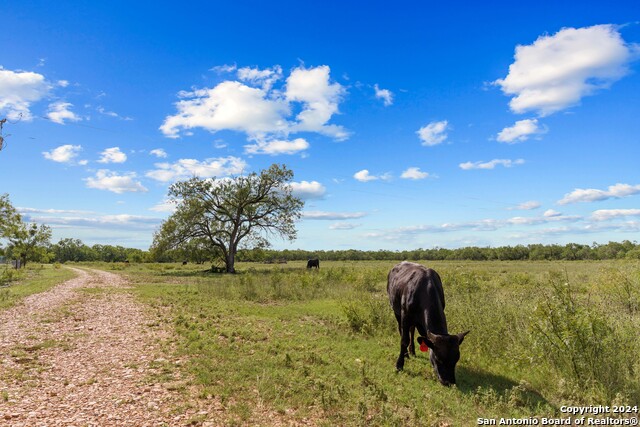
(18, 284)
(321, 345)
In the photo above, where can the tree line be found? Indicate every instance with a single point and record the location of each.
(221, 221)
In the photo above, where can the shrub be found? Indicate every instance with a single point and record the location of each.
(583, 345)
(369, 314)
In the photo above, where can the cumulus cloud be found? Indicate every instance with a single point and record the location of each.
(594, 195)
(414, 173)
(230, 105)
(520, 131)
(159, 152)
(112, 155)
(607, 214)
(526, 206)
(60, 111)
(264, 78)
(330, 216)
(365, 176)
(384, 94)
(276, 147)
(18, 90)
(63, 154)
(187, 168)
(557, 71)
(320, 98)
(111, 181)
(252, 106)
(308, 190)
(507, 163)
(434, 133)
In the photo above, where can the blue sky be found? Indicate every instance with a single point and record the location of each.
(412, 124)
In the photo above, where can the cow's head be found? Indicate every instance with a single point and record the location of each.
(445, 353)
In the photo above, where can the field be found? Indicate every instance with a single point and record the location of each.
(32, 279)
(321, 345)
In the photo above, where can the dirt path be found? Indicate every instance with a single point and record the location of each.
(86, 354)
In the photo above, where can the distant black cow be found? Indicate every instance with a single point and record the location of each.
(184, 262)
(313, 263)
(417, 299)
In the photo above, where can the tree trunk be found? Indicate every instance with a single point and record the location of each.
(230, 261)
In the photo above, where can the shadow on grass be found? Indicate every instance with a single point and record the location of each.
(470, 380)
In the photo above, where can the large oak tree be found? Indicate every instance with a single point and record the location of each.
(225, 213)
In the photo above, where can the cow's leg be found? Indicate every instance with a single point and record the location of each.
(412, 347)
(404, 341)
(399, 323)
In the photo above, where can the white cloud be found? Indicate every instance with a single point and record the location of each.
(414, 173)
(365, 176)
(115, 222)
(100, 109)
(264, 78)
(52, 211)
(308, 190)
(526, 206)
(165, 206)
(113, 155)
(507, 163)
(262, 112)
(487, 225)
(550, 213)
(111, 181)
(276, 147)
(329, 216)
(434, 133)
(343, 226)
(230, 105)
(607, 214)
(159, 152)
(59, 112)
(520, 131)
(18, 90)
(224, 68)
(62, 83)
(63, 154)
(312, 87)
(557, 71)
(187, 168)
(594, 195)
(384, 94)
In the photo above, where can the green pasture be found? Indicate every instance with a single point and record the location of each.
(18, 284)
(321, 345)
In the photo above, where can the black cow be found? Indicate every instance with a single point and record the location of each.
(313, 263)
(417, 298)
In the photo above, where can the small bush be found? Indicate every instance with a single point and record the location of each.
(369, 314)
(583, 345)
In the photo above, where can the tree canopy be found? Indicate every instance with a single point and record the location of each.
(222, 214)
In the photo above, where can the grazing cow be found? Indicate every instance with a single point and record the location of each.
(184, 262)
(417, 298)
(313, 263)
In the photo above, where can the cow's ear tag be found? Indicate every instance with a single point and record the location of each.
(423, 346)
